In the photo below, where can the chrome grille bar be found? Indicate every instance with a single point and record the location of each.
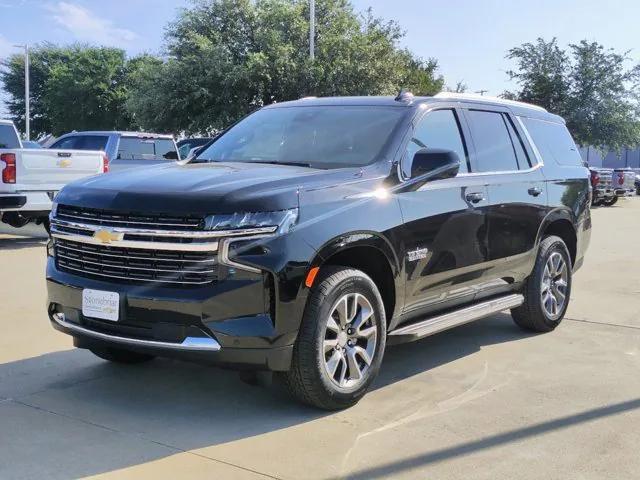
(185, 282)
(109, 265)
(164, 233)
(182, 247)
(136, 257)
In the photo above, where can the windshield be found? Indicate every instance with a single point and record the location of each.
(315, 136)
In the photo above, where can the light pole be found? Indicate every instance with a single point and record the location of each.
(26, 90)
(312, 29)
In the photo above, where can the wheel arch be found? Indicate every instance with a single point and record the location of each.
(560, 223)
(372, 254)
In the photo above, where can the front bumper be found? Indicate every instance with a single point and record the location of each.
(227, 323)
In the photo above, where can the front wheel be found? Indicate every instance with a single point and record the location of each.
(608, 202)
(341, 340)
(547, 290)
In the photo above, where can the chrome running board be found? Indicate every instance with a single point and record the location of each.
(431, 325)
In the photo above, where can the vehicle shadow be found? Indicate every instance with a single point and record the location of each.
(155, 410)
(20, 243)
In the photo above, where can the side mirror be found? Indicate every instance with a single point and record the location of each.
(437, 163)
(171, 155)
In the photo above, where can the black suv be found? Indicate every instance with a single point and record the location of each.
(312, 233)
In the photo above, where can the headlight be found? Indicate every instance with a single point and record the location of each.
(265, 222)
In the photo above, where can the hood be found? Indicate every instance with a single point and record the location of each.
(199, 188)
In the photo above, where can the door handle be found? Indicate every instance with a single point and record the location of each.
(534, 191)
(474, 197)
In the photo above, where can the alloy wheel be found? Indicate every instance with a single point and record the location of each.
(554, 285)
(350, 339)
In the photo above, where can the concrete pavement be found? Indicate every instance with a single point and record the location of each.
(483, 401)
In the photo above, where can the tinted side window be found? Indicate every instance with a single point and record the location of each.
(94, 142)
(68, 143)
(553, 140)
(8, 137)
(438, 129)
(82, 142)
(164, 147)
(494, 149)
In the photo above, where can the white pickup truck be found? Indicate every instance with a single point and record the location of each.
(30, 178)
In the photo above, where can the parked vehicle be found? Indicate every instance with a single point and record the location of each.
(623, 180)
(124, 149)
(314, 232)
(32, 177)
(186, 145)
(637, 183)
(603, 191)
(29, 144)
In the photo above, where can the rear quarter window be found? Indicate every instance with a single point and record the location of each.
(8, 137)
(553, 141)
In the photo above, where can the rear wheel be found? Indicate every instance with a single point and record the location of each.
(341, 341)
(548, 288)
(118, 355)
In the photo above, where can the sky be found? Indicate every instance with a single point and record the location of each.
(468, 37)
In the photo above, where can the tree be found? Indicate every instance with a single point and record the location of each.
(590, 86)
(75, 87)
(603, 104)
(228, 57)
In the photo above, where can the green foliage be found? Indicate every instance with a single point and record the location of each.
(75, 87)
(228, 57)
(590, 86)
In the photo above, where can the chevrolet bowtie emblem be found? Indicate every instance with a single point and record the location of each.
(107, 236)
(65, 163)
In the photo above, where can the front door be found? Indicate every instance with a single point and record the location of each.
(445, 224)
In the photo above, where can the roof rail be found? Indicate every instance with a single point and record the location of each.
(485, 98)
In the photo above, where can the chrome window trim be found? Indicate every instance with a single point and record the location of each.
(194, 344)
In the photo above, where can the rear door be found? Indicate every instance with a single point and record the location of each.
(445, 223)
(140, 151)
(502, 156)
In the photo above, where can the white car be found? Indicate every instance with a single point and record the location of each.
(30, 178)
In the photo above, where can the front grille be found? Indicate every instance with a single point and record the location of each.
(136, 265)
(107, 218)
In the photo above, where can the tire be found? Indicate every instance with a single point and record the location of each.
(118, 355)
(596, 203)
(610, 201)
(532, 314)
(47, 225)
(309, 380)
